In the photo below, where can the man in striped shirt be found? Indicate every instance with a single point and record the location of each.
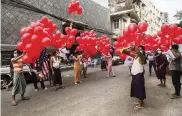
(19, 83)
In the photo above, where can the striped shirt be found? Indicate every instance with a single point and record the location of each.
(18, 65)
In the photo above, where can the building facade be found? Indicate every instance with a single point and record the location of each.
(124, 12)
(153, 17)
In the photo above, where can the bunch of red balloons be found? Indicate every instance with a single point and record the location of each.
(132, 34)
(171, 33)
(75, 7)
(104, 45)
(71, 33)
(35, 37)
(87, 43)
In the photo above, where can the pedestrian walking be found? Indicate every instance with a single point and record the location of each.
(151, 59)
(19, 83)
(137, 70)
(161, 64)
(103, 63)
(175, 67)
(109, 64)
(77, 57)
(56, 71)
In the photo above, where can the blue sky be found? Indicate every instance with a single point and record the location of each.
(170, 6)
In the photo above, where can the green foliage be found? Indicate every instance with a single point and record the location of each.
(180, 24)
(178, 15)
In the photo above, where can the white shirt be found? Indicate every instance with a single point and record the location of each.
(128, 61)
(137, 67)
(55, 62)
(151, 58)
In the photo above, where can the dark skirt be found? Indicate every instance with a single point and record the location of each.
(57, 76)
(161, 73)
(138, 86)
(103, 64)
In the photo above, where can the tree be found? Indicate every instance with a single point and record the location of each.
(166, 17)
(180, 24)
(178, 15)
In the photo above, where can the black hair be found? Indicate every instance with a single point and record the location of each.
(175, 46)
(54, 53)
(143, 48)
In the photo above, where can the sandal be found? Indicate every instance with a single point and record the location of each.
(136, 103)
(25, 98)
(159, 85)
(76, 83)
(14, 103)
(138, 107)
(114, 76)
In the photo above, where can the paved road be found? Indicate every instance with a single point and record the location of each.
(96, 96)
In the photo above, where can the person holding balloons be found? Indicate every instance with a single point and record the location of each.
(137, 71)
(77, 58)
(19, 83)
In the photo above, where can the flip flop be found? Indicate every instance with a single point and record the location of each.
(136, 103)
(25, 98)
(138, 107)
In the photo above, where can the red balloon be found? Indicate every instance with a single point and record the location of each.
(125, 32)
(122, 56)
(73, 32)
(44, 20)
(22, 31)
(68, 30)
(160, 34)
(116, 44)
(38, 30)
(26, 38)
(54, 26)
(79, 11)
(29, 30)
(117, 51)
(28, 47)
(26, 59)
(178, 40)
(179, 32)
(132, 28)
(20, 46)
(45, 42)
(142, 26)
(35, 38)
(165, 28)
(173, 28)
(154, 36)
(148, 38)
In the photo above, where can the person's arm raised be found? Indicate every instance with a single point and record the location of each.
(16, 59)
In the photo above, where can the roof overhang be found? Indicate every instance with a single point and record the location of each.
(121, 13)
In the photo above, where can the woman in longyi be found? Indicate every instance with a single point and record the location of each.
(137, 71)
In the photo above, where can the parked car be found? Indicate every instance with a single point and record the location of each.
(116, 60)
(6, 75)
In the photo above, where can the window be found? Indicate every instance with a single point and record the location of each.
(116, 24)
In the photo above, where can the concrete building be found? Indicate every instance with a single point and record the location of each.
(153, 16)
(16, 14)
(124, 12)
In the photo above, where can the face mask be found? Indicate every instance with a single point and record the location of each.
(159, 52)
(141, 51)
(15, 55)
